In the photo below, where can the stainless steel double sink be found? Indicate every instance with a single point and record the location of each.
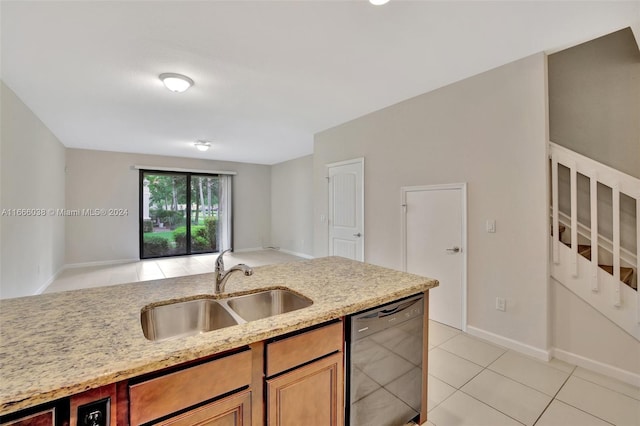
(200, 315)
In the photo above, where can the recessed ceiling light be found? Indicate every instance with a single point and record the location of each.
(378, 2)
(176, 82)
(202, 145)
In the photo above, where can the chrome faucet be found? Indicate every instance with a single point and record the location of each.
(222, 276)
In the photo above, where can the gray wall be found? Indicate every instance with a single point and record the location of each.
(99, 179)
(594, 100)
(32, 177)
(292, 205)
(489, 131)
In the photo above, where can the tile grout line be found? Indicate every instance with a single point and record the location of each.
(493, 408)
(580, 409)
(555, 395)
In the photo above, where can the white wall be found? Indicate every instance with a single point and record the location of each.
(489, 131)
(580, 330)
(32, 175)
(292, 205)
(99, 179)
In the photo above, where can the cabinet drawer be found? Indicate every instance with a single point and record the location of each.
(175, 391)
(288, 353)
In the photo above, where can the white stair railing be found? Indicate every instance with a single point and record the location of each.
(617, 293)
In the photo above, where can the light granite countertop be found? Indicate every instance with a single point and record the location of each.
(59, 344)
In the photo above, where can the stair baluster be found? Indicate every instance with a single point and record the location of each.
(617, 302)
(556, 221)
(574, 218)
(593, 183)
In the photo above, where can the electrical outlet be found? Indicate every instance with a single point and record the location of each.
(501, 304)
(95, 413)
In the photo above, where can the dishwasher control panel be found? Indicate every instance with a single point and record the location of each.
(385, 316)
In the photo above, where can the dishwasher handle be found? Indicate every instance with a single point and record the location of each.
(383, 317)
(398, 308)
(381, 313)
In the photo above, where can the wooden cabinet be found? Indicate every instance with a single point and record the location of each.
(234, 410)
(305, 378)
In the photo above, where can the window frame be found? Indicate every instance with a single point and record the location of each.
(188, 211)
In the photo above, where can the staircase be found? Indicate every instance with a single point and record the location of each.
(601, 269)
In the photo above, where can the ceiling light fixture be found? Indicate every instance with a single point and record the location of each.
(202, 145)
(176, 82)
(378, 2)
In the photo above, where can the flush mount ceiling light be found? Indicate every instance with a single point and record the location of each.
(378, 2)
(202, 145)
(176, 82)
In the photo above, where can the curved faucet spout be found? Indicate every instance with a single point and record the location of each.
(222, 276)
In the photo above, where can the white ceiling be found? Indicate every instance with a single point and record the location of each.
(268, 74)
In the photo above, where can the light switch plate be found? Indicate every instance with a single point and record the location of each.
(491, 226)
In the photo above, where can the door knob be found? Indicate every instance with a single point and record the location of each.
(453, 250)
(357, 235)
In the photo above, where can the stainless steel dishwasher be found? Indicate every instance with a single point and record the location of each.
(384, 364)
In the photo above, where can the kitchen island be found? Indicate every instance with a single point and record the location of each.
(57, 345)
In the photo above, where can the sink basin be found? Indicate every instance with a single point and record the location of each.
(184, 319)
(264, 304)
(189, 317)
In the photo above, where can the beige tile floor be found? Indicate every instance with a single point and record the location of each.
(153, 269)
(476, 383)
(471, 382)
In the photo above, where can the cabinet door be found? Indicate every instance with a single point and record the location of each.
(309, 395)
(234, 410)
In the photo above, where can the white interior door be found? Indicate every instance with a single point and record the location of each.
(434, 246)
(346, 209)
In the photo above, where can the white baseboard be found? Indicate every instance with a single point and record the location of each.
(50, 280)
(597, 366)
(295, 253)
(99, 263)
(248, 249)
(516, 345)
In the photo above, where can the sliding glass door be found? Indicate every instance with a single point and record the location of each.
(204, 213)
(183, 213)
